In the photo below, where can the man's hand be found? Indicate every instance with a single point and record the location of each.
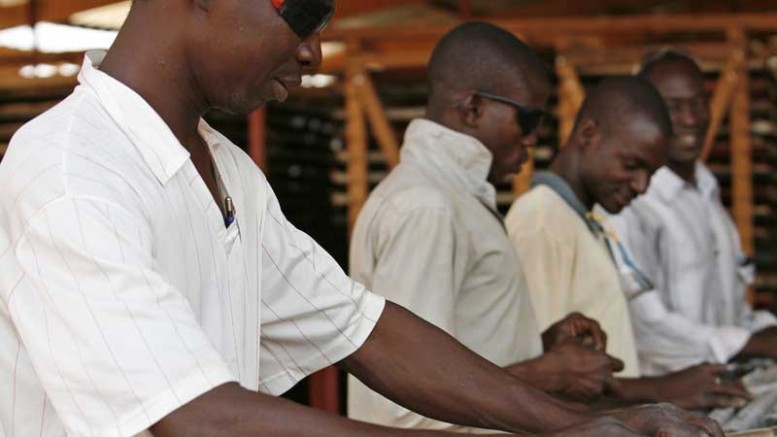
(702, 387)
(665, 420)
(761, 344)
(577, 327)
(693, 388)
(570, 370)
(600, 427)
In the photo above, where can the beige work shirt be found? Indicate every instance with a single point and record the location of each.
(570, 269)
(430, 239)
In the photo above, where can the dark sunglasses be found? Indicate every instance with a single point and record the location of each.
(529, 119)
(305, 17)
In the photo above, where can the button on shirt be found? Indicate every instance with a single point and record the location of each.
(430, 239)
(682, 238)
(570, 268)
(123, 295)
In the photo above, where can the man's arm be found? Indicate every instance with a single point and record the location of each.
(418, 366)
(671, 339)
(696, 387)
(761, 344)
(422, 368)
(231, 411)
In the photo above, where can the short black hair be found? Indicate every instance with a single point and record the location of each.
(480, 56)
(618, 98)
(664, 56)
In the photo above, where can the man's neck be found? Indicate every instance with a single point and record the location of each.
(158, 76)
(685, 171)
(566, 166)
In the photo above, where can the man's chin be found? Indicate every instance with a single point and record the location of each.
(686, 156)
(614, 207)
(688, 152)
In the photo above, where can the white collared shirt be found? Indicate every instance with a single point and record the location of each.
(123, 294)
(682, 238)
(430, 239)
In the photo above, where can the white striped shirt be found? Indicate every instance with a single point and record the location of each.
(123, 295)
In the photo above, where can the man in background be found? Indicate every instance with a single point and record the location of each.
(430, 238)
(620, 138)
(681, 236)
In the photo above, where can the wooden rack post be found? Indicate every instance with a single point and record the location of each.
(721, 99)
(356, 145)
(570, 94)
(376, 115)
(741, 148)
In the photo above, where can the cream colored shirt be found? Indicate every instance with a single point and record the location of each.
(570, 269)
(123, 296)
(430, 239)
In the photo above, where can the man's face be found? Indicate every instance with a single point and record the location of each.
(618, 165)
(686, 98)
(501, 132)
(245, 53)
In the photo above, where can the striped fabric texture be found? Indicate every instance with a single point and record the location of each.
(123, 295)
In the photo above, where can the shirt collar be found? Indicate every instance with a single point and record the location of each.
(460, 159)
(669, 185)
(561, 187)
(157, 144)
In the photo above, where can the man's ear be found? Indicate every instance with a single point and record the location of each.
(587, 135)
(470, 110)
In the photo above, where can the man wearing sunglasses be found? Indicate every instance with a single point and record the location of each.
(430, 238)
(150, 284)
(571, 259)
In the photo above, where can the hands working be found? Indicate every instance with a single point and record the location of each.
(698, 387)
(578, 327)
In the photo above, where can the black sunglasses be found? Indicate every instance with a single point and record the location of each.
(528, 118)
(305, 17)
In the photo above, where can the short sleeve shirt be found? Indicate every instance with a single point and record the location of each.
(123, 295)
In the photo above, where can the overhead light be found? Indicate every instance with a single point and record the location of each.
(332, 48)
(55, 38)
(110, 16)
(318, 80)
(69, 69)
(27, 72)
(44, 70)
(10, 3)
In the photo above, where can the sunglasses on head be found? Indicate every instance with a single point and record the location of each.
(529, 119)
(305, 17)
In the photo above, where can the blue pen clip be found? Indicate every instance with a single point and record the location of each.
(229, 209)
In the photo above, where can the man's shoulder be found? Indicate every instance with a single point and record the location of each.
(73, 148)
(540, 208)
(650, 210)
(406, 190)
(76, 123)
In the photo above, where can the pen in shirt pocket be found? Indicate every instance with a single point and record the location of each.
(229, 210)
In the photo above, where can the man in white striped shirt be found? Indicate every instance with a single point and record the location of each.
(131, 303)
